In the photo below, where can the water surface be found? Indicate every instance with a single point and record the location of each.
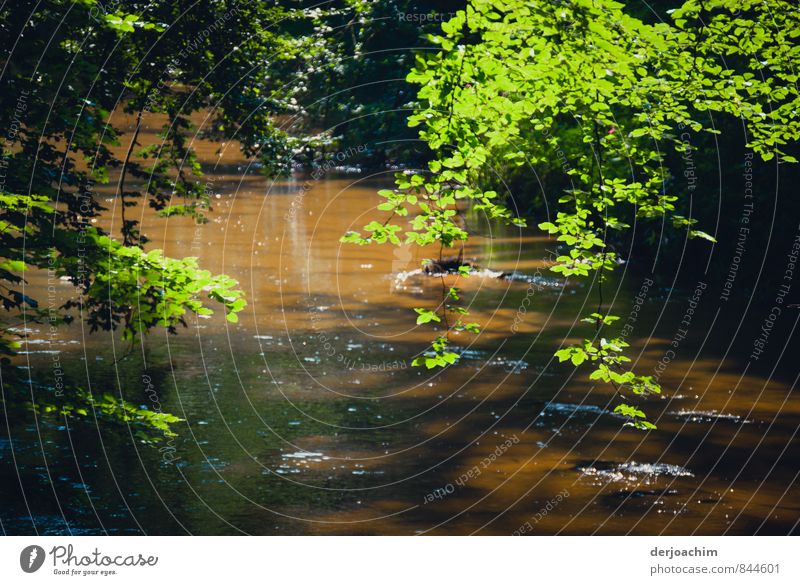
(306, 417)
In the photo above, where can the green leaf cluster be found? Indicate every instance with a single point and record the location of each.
(585, 89)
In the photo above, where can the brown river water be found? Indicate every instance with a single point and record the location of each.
(307, 418)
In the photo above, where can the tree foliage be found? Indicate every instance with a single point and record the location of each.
(349, 87)
(516, 81)
(72, 69)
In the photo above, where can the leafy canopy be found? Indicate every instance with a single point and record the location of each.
(517, 80)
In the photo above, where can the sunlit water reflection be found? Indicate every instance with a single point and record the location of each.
(307, 417)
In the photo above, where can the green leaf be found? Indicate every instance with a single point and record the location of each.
(701, 234)
(426, 316)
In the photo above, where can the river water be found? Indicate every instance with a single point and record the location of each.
(307, 418)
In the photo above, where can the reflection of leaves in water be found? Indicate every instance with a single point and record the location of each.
(69, 402)
(148, 426)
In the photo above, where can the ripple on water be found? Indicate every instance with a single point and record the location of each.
(541, 281)
(631, 471)
(569, 409)
(299, 462)
(305, 455)
(709, 416)
(639, 494)
(663, 501)
(512, 366)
